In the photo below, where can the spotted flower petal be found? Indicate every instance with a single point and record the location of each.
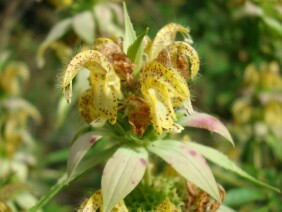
(177, 56)
(164, 89)
(121, 63)
(161, 112)
(165, 37)
(95, 202)
(99, 103)
(106, 46)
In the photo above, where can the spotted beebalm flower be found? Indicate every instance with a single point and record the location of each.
(99, 103)
(163, 89)
(163, 80)
(150, 96)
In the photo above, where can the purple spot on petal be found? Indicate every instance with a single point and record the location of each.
(133, 182)
(192, 152)
(204, 121)
(92, 140)
(143, 161)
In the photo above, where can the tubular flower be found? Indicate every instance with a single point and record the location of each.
(163, 83)
(121, 63)
(99, 103)
(163, 88)
(165, 37)
(175, 55)
(149, 97)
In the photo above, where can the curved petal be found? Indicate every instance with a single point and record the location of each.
(98, 104)
(91, 59)
(175, 55)
(161, 110)
(171, 78)
(106, 46)
(165, 37)
(163, 89)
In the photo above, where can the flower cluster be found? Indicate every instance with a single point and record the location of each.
(146, 96)
(261, 101)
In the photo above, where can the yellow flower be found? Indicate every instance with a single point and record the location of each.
(163, 83)
(273, 115)
(270, 76)
(162, 79)
(99, 103)
(165, 37)
(12, 76)
(163, 89)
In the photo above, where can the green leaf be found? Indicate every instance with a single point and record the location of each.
(136, 49)
(223, 161)
(89, 164)
(84, 26)
(130, 35)
(205, 121)
(64, 181)
(273, 24)
(122, 174)
(241, 196)
(188, 163)
(276, 145)
(79, 149)
(56, 32)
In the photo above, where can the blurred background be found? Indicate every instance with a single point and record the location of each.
(240, 47)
